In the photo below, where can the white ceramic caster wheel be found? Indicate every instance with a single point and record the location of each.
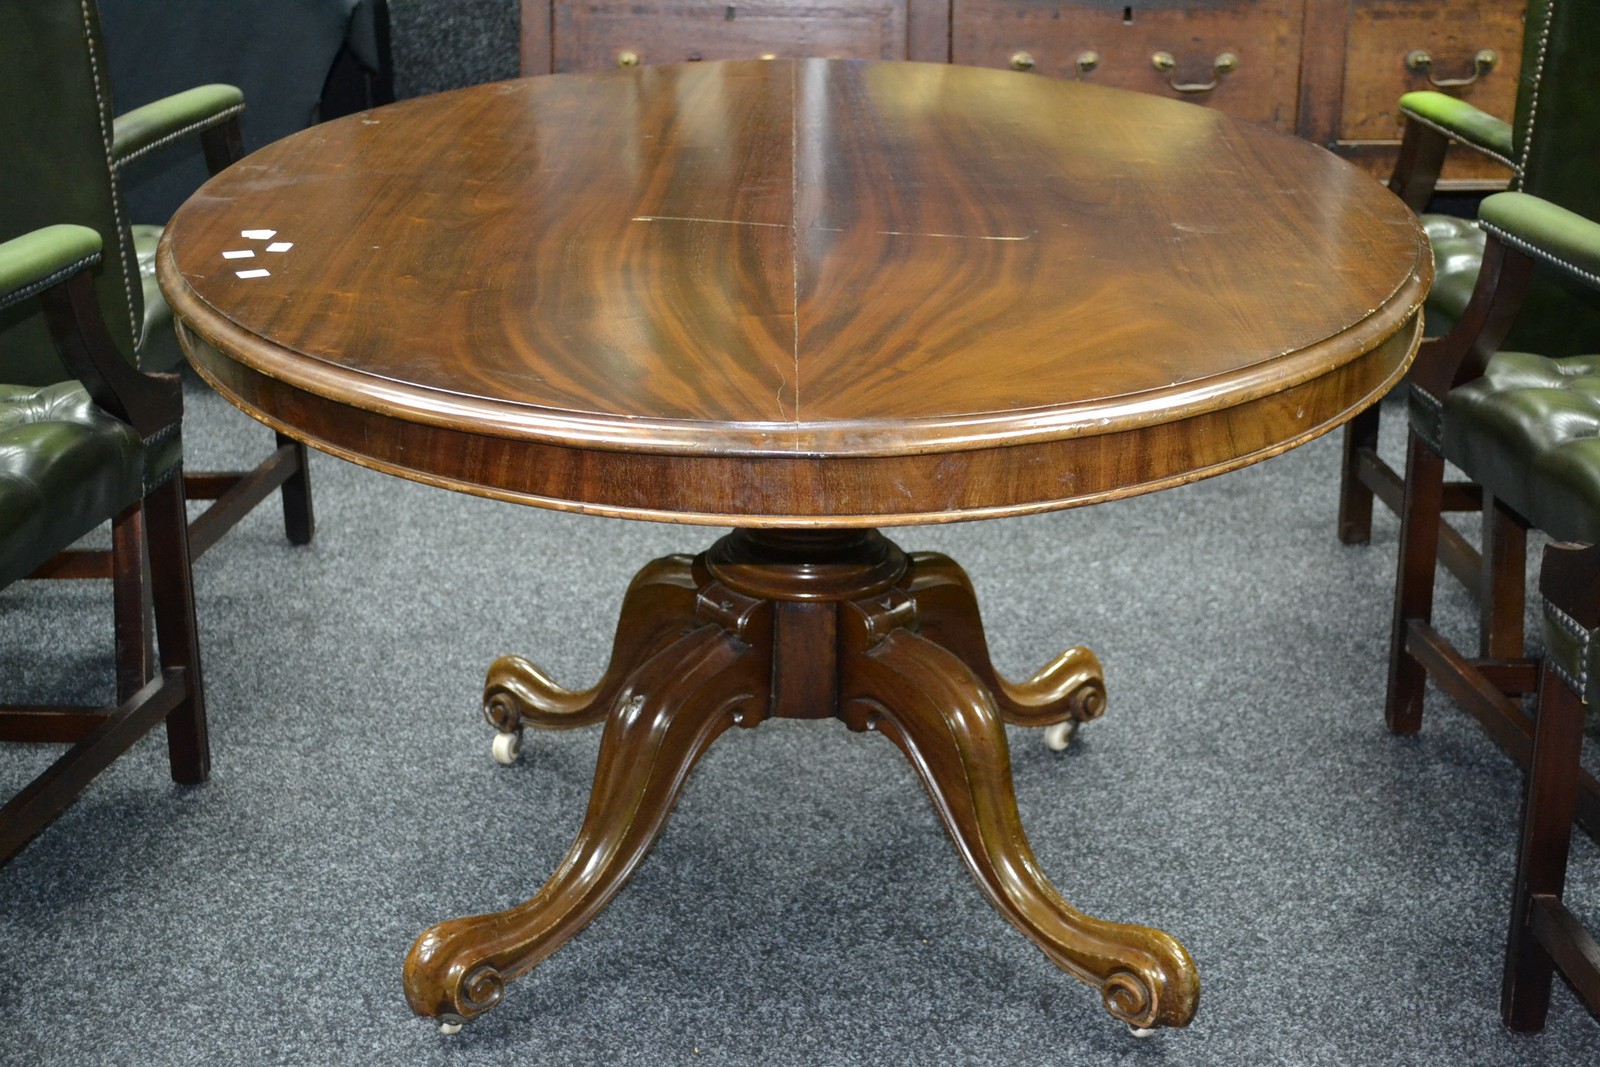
(507, 747)
(1058, 737)
(1141, 1031)
(450, 1028)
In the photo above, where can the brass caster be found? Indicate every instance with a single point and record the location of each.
(507, 748)
(1058, 736)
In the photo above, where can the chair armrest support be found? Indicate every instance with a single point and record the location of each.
(1433, 121)
(1460, 121)
(206, 110)
(1545, 231)
(1464, 352)
(53, 264)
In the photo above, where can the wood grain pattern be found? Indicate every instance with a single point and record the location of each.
(809, 293)
(590, 36)
(1382, 33)
(1263, 34)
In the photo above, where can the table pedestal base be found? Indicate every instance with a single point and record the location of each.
(804, 624)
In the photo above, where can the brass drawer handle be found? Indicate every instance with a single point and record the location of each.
(1418, 61)
(1223, 65)
(627, 58)
(1087, 61)
(1022, 61)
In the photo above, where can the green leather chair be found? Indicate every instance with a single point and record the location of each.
(1527, 429)
(62, 154)
(103, 445)
(1549, 148)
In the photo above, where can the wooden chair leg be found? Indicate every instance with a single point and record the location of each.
(188, 746)
(299, 521)
(130, 593)
(1414, 578)
(1355, 496)
(1552, 793)
(1502, 593)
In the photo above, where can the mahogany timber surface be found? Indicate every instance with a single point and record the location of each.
(798, 293)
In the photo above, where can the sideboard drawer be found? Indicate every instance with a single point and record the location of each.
(1468, 48)
(607, 33)
(1241, 56)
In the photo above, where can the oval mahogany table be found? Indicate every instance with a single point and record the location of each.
(805, 300)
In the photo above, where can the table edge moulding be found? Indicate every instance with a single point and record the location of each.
(804, 299)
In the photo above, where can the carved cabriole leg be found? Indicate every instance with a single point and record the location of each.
(1070, 687)
(931, 705)
(668, 713)
(657, 609)
(799, 624)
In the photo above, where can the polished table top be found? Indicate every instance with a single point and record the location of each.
(797, 294)
(801, 293)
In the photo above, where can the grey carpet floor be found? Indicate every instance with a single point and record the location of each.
(1343, 891)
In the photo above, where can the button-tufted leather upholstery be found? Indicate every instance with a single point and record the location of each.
(1529, 431)
(1457, 255)
(64, 466)
(1549, 151)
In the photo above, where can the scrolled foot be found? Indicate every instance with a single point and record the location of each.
(657, 610)
(667, 714)
(1069, 689)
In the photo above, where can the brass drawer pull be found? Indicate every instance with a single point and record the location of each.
(1022, 61)
(1088, 61)
(627, 58)
(1418, 61)
(1223, 65)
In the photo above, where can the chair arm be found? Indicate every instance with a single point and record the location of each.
(45, 257)
(1541, 229)
(1460, 121)
(1433, 121)
(53, 264)
(158, 124)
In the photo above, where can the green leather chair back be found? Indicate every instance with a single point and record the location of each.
(1556, 140)
(55, 166)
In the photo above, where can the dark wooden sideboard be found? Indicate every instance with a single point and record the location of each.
(1328, 70)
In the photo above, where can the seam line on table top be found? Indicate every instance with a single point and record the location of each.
(715, 222)
(794, 226)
